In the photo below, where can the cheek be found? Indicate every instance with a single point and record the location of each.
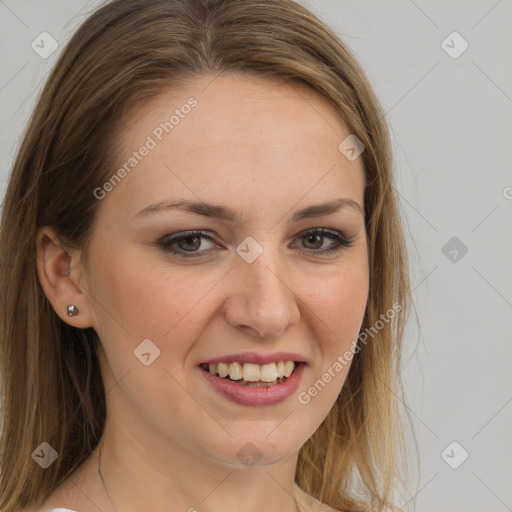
(338, 304)
(138, 300)
(337, 311)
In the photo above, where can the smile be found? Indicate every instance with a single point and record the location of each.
(253, 384)
(251, 374)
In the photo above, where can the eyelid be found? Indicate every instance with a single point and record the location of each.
(208, 234)
(341, 241)
(181, 235)
(338, 236)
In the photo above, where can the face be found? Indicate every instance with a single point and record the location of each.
(262, 284)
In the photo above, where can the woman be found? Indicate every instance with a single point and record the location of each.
(203, 270)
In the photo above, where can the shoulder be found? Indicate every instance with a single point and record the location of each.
(309, 504)
(46, 509)
(65, 493)
(59, 509)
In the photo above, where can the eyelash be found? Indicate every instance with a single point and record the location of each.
(167, 241)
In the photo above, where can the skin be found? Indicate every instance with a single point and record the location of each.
(265, 149)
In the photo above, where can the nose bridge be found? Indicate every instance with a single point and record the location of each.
(262, 299)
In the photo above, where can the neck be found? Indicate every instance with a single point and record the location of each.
(132, 477)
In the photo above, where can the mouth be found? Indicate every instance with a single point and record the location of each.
(253, 375)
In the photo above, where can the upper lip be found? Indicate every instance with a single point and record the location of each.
(257, 358)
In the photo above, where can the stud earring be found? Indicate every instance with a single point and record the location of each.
(73, 310)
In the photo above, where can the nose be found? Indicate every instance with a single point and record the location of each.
(262, 302)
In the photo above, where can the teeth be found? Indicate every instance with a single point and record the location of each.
(250, 372)
(288, 368)
(235, 371)
(269, 372)
(223, 369)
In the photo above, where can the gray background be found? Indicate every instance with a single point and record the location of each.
(451, 126)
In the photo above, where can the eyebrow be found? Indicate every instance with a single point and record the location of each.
(227, 214)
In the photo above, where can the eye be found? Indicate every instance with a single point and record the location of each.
(316, 237)
(189, 242)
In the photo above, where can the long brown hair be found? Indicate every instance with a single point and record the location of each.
(126, 52)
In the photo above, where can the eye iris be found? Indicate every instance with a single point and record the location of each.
(188, 238)
(317, 238)
(189, 243)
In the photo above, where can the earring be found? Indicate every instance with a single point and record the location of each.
(73, 310)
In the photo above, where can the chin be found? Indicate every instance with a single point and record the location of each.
(247, 451)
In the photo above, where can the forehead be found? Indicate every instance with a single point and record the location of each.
(225, 102)
(237, 135)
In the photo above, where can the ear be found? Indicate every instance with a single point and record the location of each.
(60, 273)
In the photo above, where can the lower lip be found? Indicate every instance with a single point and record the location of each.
(252, 395)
